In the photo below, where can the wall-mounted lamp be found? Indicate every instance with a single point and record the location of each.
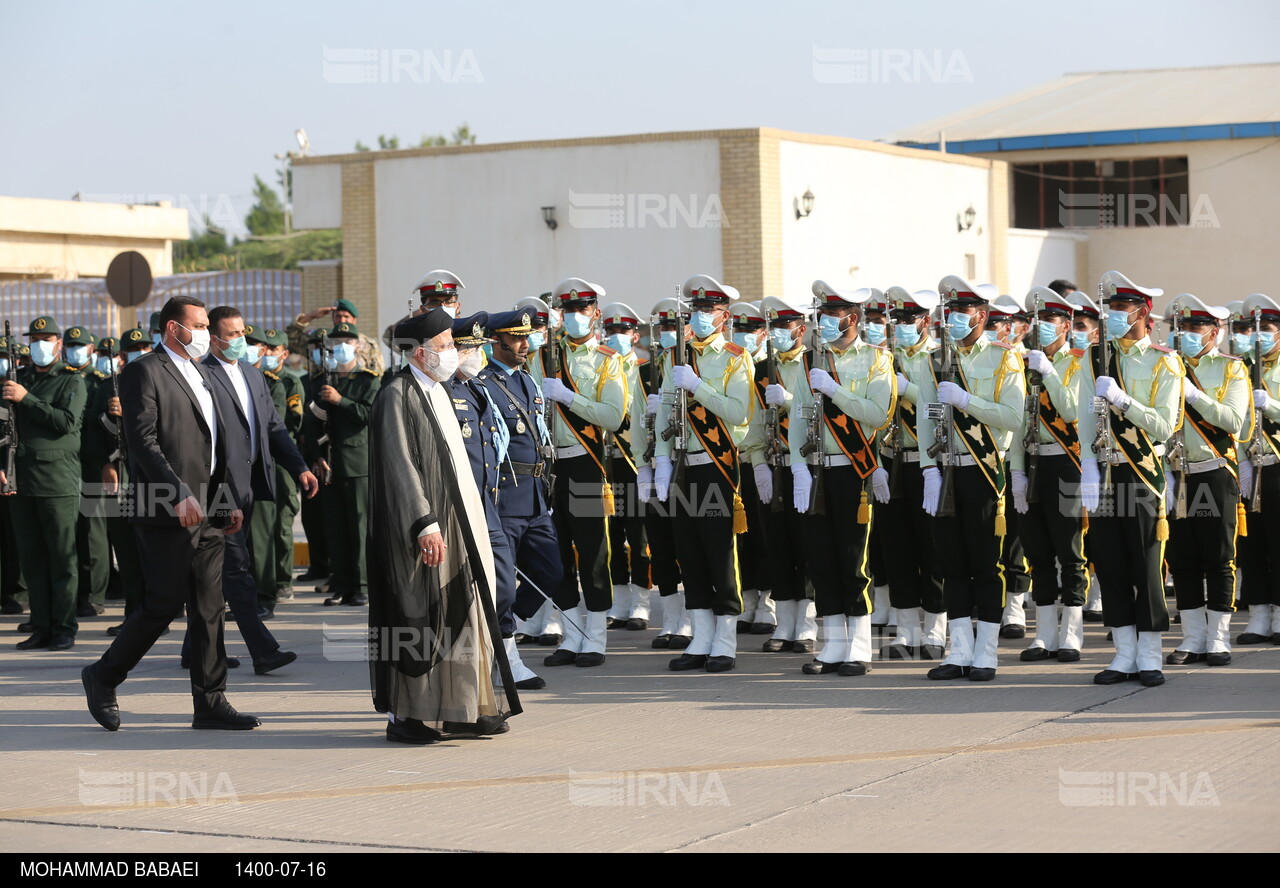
(549, 216)
(804, 204)
(964, 221)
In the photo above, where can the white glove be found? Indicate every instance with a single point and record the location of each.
(1108, 388)
(821, 382)
(1170, 491)
(644, 483)
(764, 482)
(1246, 477)
(557, 391)
(1020, 490)
(802, 484)
(775, 395)
(662, 477)
(684, 377)
(1090, 484)
(1261, 399)
(652, 404)
(932, 489)
(903, 382)
(1039, 362)
(1190, 393)
(952, 394)
(880, 485)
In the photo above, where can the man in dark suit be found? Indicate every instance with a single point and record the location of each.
(255, 437)
(183, 509)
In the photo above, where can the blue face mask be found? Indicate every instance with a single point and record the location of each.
(620, 342)
(1267, 341)
(234, 349)
(1048, 332)
(42, 352)
(1171, 341)
(271, 362)
(1190, 344)
(130, 357)
(667, 339)
(829, 328)
(316, 356)
(1241, 342)
(344, 353)
(4, 366)
(253, 354)
(537, 339)
(577, 325)
(104, 364)
(749, 341)
(156, 339)
(77, 355)
(906, 335)
(875, 333)
(703, 323)
(1079, 339)
(1118, 324)
(958, 326)
(783, 341)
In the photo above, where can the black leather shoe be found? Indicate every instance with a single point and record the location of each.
(803, 646)
(26, 627)
(720, 664)
(762, 628)
(333, 601)
(614, 623)
(817, 667)
(1253, 638)
(357, 600)
(232, 663)
(947, 671)
(1275, 637)
(521, 638)
(9, 608)
(536, 683)
(854, 668)
(561, 658)
(685, 662)
(224, 718)
(743, 627)
(679, 642)
(266, 613)
(899, 652)
(661, 643)
(412, 731)
(550, 640)
(1177, 619)
(637, 624)
(114, 630)
(982, 673)
(1222, 658)
(589, 659)
(62, 642)
(313, 575)
(1177, 658)
(931, 651)
(1036, 654)
(1151, 678)
(90, 610)
(1093, 616)
(484, 726)
(1013, 630)
(1111, 677)
(36, 642)
(274, 662)
(1068, 655)
(101, 700)
(777, 645)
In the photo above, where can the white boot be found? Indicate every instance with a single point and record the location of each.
(1125, 639)
(686, 618)
(987, 646)
(935, 630)
(672, 612)
(1093, 603)
(806, 624)
(859, 632)
(835, 640)
(1262, 623)
(1015, 612)
(749, 599)
(552, 621)
(725, 640)
(765, 609)
(1071, 634)
(1046, 628)
(1219, 624)
(573, 639)
(597, 627)
(519, 671)
(536, 624)
(1149, 652)
(880, 606)
(639, 603)
(621, 602)
(1195, 632)
(786, 613)
(908, 637)
(704, 631)
(961, 642)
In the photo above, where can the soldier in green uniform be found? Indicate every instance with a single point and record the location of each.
(313, 508)
(13, 589)
(92, 548)
(338, 437)
(48, 402)
(275, 351)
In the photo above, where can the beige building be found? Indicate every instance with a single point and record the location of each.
(68, 239)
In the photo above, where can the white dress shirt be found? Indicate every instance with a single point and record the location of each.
(204, 398)
(241, 387)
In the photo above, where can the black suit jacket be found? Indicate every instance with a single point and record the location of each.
(168, 443)
(253, 475)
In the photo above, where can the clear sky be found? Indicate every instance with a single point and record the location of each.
(139, 100)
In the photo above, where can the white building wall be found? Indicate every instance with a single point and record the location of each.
(317, 196)
(879, 219)
(1037, 257)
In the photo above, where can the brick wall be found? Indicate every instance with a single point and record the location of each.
(751, 239)
(360, 238)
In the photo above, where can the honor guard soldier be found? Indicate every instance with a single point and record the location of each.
(1135, 389)
(677, 624)
(48, 404)
(844, 390)
(914, 576)
(1205, 464)
(342, 312)
(706, 391)
(1051, 529)
(312, 509)
(1240, 339)
(338, 438)
(92, 552)
(875, 327)
(628, 542)
(440, 289)
(585, 383)
(767, 449)
(275, 352)
(13, 590)
(976, 396)
(1260, 475)
(1086, 325)
(758, 611)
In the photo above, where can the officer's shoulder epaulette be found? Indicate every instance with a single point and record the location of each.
(1005, 345)
(734, 349)
(1077, 352)
(1162, 348)
(270, 375)
(606, 351)
(371, 372)
(99, 374)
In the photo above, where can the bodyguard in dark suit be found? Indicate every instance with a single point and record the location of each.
(255, 437)
(183, 509)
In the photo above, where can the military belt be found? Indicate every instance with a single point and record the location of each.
(535, 469)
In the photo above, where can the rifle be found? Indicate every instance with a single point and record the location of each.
(1256, 445)
(1104, 445)
(772, 426)
(678, 423)
(650, 419)
(1178, 448)
(811, 450)
(894, 435)
(1031, 438)
(326, 352)
(9, 415)
(118, 454)
(944, 438)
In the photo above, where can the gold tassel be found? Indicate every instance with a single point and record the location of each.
(864, 510)
(1242, 525)
(606, 499)
(739, 514)
(1162, 529)
(1000, 528)
(1084, 523)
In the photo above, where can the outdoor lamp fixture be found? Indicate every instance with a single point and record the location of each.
(304, 144)
(804, 204)
(965, 221)
(549, 216)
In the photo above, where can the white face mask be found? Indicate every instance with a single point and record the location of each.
(198, 347)
(43, 352)
(472, 364)
(441, 365)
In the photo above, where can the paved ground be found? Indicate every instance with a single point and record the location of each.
(633, 757)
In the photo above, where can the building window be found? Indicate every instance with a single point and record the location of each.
(1101, 193)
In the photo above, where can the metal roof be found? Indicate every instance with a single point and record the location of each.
(1116, 107)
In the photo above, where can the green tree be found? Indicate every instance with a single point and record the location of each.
(266, 217)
